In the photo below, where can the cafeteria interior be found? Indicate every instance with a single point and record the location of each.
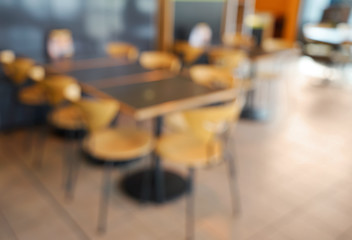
(149, 120)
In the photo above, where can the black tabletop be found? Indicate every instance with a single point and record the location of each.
(96, 74)
(155, 98)
(146, 94)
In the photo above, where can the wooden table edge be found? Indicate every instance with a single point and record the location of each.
(164, 108)
(186, 103)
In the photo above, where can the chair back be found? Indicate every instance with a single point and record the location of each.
(36, 73)
(122, 50)
(189, 53)
(18, 69)
(205, 123)
(7, 57)
(160, 60)
(238, 40)
(227, 57)
(98, 113)
(212, 76)
(60, 88)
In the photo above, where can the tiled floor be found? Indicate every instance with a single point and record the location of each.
(294, 175)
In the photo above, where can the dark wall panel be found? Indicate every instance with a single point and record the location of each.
(25, 23)
(189, 13)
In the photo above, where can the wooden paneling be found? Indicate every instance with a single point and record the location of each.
(165, 25)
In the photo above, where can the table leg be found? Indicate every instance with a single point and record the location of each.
(165, 185)
(249, 110)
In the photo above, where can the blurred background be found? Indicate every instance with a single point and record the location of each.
(109, 108)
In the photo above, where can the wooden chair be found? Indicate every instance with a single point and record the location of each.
(227, 57)
(160, 60)
(111, 146)
(65, 118)
(56, 87)
(235, 61)
(34, 95)
(200, 145)
(122, 50)
(238, 40)
(18, 69)
(213, 76)
(210, 76)
(37, 73)
(7, 57)
(189, 53)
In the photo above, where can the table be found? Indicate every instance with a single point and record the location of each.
(146, 95)
(328, 35)
(152, 100)
(337, 42)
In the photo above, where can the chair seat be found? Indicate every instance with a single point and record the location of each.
(32, 95)
(67, 118)
(185, 149)
(118, 144)
(175, 122)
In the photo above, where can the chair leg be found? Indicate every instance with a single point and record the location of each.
(29, 143)
(38, 161)
(73, 165)
(104, 201)
(190, 206)
(234, 191)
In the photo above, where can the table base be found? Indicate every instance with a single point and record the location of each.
(174, 186)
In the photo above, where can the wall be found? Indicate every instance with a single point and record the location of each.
(24, 23)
